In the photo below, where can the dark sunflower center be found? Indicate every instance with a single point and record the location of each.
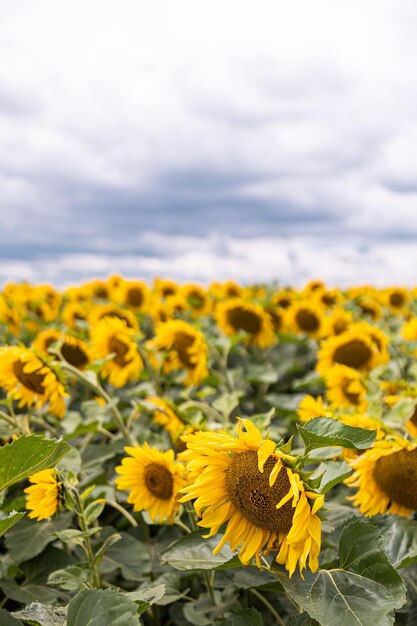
(339, 326)
(354, 353)
(74, 355)
(276, 319)
(352, 397)
(397, 299)
(241, 319)
(251, 495)
(101, 292)
(168, 291)
(31, 380)
(396, 476)
(159, 481)
(120, 316)
(307, 320)
(121, 349)
(182, 343)
(328, 298)
(283, 302)
(135, 296)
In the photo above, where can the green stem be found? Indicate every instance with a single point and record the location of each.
(101, 392)
(123, 511)
(87, 546)
(205, 408)
(152, 373)
(268, 606)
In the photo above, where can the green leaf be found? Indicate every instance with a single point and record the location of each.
(29, 538)
(93, 511)
(71, 578)
(10, 521)
(363, 591)
(77, 537)
(129, 555)
(400, 539)
(27, 455)
(92, 607)
(7, 620)
(242, 617)
(42, 614)
(332, 473)
(192, 552)
(227, 403)
(144, 598)
(324, 431)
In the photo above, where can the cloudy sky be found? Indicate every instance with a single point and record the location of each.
(208, 140)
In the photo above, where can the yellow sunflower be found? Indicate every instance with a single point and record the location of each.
(29, 381)
(409, 330)
(197, 299)
(369, 307)
(74, 314)
(185, 348)
(247, 484)
(225, 291)
(337, 322)
(153, 479)
(163, 288)
(353, 348)
(166, 417)
(306, 316)
(99, 312)
(345, 387)
(240, 315)
(134, 294)
(396, 298)
(74, 350)
(112, 336)
(310, 407)
(386, 477)
(44, 494)
(284, 298)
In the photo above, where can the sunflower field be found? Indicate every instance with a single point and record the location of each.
(179, 455)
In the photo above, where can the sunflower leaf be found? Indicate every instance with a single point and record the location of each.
(102, 607)
(10, 521)
(330, 473)
(400, 539)
(320, 432)
(42, 614)
(193, 552)
(363, 591)
(27, 455)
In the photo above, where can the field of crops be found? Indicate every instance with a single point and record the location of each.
(173, 455)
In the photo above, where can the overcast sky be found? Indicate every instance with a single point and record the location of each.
(208, 140)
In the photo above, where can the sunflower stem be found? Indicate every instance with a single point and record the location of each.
(151, 371)
(87, 541)
(205, 408)
(10, 420)
(101, 392)
(123, 511)
(268, 606)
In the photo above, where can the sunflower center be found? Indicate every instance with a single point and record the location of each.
(354, 353)
(135, 296)
(31, 380)
(159, 481)
(74, 355)
(121, 349)
(182, 343)
(396, 299)
(350, 395)
(396, 475)
(276, 319)
(251, 495)
(241, 319)
(307, 320)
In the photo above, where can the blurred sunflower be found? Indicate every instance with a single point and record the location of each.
(409, 330)
(397, 299)
(197, 299)
(353, 348)
(284, 298)
(305, 316)
(185, 347)
(386, 476)
(166, 417)
(369, 307)
(134, 294)
(345, 387)
(237, 315)
(112, 336)
(247, 484)
(44, 495)
(75, 351)
(29, 381)
(153, 479)
(164, 288)
(99, 312)
(337, 322)
(226, 290)
(277, 317)
(310, 407)
(74, 315)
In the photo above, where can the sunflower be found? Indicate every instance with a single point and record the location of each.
(112, 336)
(284, 298)
(74, 315)
(277, 317)
(74, 350)
(99, 312)
(44, 495)
(396, 298)
(248, 484)
(29, 381)
(409, 330)
(225, 291)
(369, 307)
(164, 288)
(185, 347)
(153, 479)
(197, 298)
(337, 322)
(240, 315)
(386, 476)
(345, 387)
(354, 348)
(134, 294)
(306, 317)
(328, 297)
(310, 407)
(166, 417)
